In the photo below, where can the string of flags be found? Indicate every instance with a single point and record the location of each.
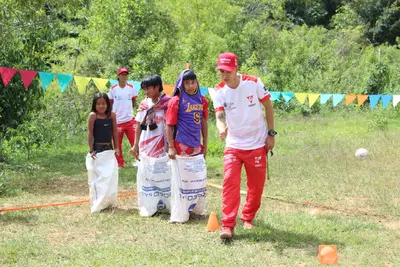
(82, 82)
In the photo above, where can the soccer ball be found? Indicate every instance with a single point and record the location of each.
(361, 153)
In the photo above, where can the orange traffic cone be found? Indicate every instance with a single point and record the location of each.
(213, 224)
(328, 254)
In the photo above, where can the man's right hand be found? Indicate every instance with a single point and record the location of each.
(135, 151)
(223, 134)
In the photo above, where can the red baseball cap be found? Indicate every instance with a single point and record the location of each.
(227, 61)
(122, 70)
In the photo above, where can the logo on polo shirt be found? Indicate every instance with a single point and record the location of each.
(250, 99)
(229, 106)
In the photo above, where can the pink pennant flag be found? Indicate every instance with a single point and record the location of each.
(27, 76)
(7, 74)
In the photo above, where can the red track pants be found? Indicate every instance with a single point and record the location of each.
(255, 165)
(127, 128)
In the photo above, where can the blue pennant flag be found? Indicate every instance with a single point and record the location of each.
(203, 91)
(386, 99)
(64, 80)
(324, 98)
(275, 96)
(45, 78)
(136, 85)
(287, 96)
(337, 98)
(373, 100)
(113, 82)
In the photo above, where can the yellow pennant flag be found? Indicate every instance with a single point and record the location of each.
(100, 83)
(312, 98)
(301, 97)
(361, 99)
(81, 83)
(350, 98)
(168, 89)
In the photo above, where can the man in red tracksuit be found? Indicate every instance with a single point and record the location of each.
(123, 97)
(238, 103)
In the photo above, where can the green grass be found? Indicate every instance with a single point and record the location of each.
(326, 195)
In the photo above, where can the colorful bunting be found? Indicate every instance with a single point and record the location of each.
(373, 100)
(301, 97)
(361, 99)
(45, 78)
(385, 100)
(287, 96)
(7, 74)
(203, 91)
(136, 85)
(81, 83)
(27, 77)
(113, 82)
(100, 83)
(396, 100)
(337, 98)
(324, 98)
(350, 99)
(275, 96)
(312, 98)
(64, 80)
(168, 89)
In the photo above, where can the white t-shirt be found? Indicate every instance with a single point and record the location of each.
(122, 101)
(244, 114)
(153, 143)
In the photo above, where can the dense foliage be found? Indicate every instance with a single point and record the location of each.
(321, 46)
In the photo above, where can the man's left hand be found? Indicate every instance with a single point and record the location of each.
(270, 142)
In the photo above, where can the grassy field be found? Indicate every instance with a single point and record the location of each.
(318, 193)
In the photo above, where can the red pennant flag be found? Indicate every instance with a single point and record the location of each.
(7, 74)
(27, 76)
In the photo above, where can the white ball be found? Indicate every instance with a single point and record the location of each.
(361, 153)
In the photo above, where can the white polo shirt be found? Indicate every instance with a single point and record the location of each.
(122, 101)
(244, 114)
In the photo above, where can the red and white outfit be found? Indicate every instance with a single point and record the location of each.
(153, 143)
(245, 144)
(172, 119)
(122, 106)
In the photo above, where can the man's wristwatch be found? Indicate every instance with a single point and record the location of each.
(272, 132)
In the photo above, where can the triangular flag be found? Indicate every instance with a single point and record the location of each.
(203, 91)
(7, 74)
(385, 100)
(324, 98)
(275, 96)
(113, 82)
(301, 97)
(396, 100)
(45, 78)
(137, 86)
(361, 99)
(81, 83)
(168, 89)
(312, 98)
(100, 83)
(287, 96)
(350, 98)
(64, 80)
(212, 92)
(337, 98)
(373, 100)
(27, 77)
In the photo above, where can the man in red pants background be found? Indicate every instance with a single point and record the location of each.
(123, 97)
(238, 103)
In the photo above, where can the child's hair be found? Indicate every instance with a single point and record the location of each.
(105, 96)
(189, 75)
(152, 80)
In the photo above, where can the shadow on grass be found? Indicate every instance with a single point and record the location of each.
(281, 239)
(18, 218)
